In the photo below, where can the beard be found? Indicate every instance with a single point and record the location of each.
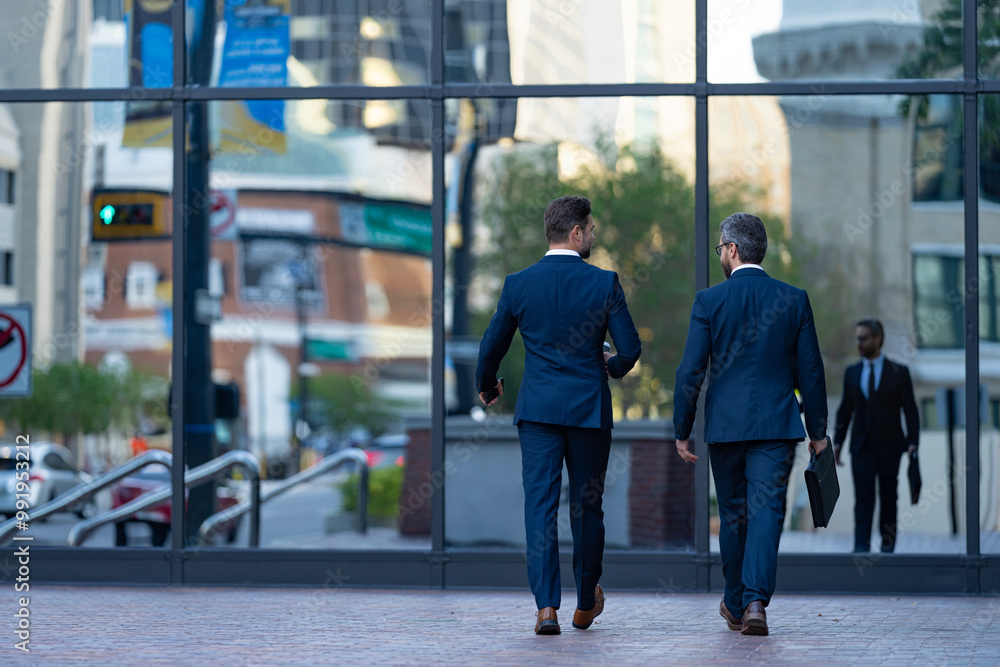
(585, 252)
(727, 267)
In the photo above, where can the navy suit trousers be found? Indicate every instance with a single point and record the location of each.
(751, 479)
(544, 447)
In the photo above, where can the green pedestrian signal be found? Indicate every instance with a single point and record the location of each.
(108, 214)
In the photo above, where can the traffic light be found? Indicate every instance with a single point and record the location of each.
(120, 215)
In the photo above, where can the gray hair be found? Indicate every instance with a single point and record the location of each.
(747, 232)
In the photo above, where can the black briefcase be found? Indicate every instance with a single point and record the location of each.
(822, 485)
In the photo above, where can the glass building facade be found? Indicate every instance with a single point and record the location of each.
(275, 230)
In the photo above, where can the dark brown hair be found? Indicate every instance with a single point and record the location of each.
(563, 214)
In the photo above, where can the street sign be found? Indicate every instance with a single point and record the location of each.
(330, 350)
(207, 308)
(15, 351)
(128, 215)
(222, 217)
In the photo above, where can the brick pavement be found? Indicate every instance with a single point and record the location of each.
(282, 626)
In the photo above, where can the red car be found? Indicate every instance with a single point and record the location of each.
(150, 478)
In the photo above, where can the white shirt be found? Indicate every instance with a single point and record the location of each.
(562, 251)
(747, 266)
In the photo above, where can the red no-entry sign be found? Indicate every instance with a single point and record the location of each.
(15, 351)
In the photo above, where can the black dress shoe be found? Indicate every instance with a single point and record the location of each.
(546, 623)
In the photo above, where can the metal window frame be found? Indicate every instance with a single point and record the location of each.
(664, 572)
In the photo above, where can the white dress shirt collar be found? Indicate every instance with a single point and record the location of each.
(562, 251)
(747, 266)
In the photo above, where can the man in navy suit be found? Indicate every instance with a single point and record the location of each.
(563, 307)
(876, 391)
(754, 337)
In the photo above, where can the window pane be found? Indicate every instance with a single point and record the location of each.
(84, 44)
(101, 369)
(832, 178)
(634, 159)
(989, 311)
(321, 242)
(308, 43)
(794, 40)
(569, 41)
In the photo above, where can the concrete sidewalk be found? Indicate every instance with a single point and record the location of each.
(330, 626)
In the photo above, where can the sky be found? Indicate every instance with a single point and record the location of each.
(731, 26)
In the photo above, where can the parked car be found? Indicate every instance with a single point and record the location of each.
(51, 473)
(387, 451)
(150, 478)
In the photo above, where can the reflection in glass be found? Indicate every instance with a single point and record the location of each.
(554, 41)
(320, 259)
(793, 40)
(633, 158)
(79, 44)
(309, 43)
(989, 316)
(838, 183)
(97, 343)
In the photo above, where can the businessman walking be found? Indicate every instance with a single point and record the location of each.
(754, 337)
(876, 391)
(564, 308)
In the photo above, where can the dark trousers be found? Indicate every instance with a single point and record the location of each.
(751, 479)
(867, 465)
(586, 452)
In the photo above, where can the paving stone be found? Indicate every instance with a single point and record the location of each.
(284, 626)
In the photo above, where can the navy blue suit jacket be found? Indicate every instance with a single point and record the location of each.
(877, 422)
(564, 308)
(758, 333)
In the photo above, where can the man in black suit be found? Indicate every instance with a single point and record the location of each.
(876, 390)
(564, 309)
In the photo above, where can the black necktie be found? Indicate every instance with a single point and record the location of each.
(871, 381)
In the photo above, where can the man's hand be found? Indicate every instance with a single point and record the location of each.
(686, 451)
(482, 395)
(818, 446)
(912, 450)
(836, 454)
(607, 355)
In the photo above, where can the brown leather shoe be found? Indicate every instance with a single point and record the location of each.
(547, 623)
(583, 619)
(733, 622)
(754, 619)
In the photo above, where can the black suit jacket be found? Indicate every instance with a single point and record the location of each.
(877, 423)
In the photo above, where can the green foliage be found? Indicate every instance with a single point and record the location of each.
(71, 397)
(341, 403)
(384, 487)
(941, 56)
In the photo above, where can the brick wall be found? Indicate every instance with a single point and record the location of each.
(415, 497)
(661, 496)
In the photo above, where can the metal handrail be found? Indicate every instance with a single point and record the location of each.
(82, 530)
(354, 454)
(86, 490)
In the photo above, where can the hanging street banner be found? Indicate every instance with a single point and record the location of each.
(15, 351)
(149, 49)
(254, 55)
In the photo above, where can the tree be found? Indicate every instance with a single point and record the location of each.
(644, 210)
(340, 404)
(72, 397)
